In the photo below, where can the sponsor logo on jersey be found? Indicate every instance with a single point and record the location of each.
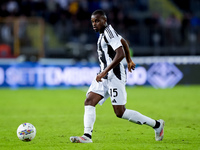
(114, 101)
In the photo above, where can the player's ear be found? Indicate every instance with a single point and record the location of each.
(105, 20)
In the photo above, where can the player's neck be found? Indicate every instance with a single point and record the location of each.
(103, 28)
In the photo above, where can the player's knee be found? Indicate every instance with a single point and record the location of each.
(119, 115)
(88, 101)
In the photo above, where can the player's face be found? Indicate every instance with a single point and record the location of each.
(98, 22)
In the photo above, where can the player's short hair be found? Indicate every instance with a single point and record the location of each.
(99, 12)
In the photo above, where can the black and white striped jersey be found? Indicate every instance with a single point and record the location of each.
(107, 43)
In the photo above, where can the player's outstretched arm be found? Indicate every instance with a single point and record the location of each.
(130, 63)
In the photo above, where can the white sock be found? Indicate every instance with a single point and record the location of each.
(138, 118)
(89, 119)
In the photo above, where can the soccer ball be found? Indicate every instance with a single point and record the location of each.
(26, 132)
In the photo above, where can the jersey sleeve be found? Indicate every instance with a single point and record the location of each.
(112, 37)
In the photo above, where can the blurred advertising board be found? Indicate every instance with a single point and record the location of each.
(157, 74)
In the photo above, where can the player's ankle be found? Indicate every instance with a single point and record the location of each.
(88, 135)
(157, 125)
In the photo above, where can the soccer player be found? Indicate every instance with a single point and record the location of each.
(110, 82)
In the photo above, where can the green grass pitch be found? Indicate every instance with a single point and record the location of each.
(57, 114)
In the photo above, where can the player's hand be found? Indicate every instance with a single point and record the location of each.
(131, 66)
(100, 76)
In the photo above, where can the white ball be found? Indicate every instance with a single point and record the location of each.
(26, 132)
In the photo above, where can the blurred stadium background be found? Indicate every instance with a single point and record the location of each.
(51, 42)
